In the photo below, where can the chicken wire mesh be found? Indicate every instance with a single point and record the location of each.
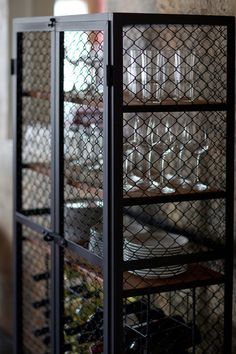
(36, 285)
(83, 135)
(176, 230)
(174, 64)
(36, 119)
(175, 322)
(174, 152)
(83, 306)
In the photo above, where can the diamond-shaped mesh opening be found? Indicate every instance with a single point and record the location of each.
(83, 137)
(175, 322)
(36, 129)
(83, 306)
(173, 152)
(174, 64)
(36, 270)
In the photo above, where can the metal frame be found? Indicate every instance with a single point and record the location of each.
(113, 264)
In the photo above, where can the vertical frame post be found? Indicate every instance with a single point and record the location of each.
(57, 176)
(117, 188)
(17, 193)
(107, 196)
(229, 233)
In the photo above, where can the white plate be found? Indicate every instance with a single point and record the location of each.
(146, 273)
(157, 240)
(152, 252)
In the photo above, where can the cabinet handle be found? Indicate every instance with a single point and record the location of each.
(50, 236)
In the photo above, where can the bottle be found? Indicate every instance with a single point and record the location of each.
(41, 331)
(40, 303)
(95, 320)
(47, 340)
(67, 347)
(41, 276)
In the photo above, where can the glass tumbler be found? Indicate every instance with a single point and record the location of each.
(179, 72)
(133, 74)
(153, 76)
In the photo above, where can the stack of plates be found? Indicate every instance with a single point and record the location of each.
(158, 244)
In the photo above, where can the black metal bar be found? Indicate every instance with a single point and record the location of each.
(229, 187)
(57, 167)
(117, 191)
(194, 322)
(173, 287)
(107, 197)
(17, 195)
(211, 107)
(36, 211)
(25, 220)
(148, 325)
(86, 254)
(172, 260)
(166, 19)
(171, 198)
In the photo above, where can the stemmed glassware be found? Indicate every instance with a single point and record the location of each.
(160, 140)
(134, 151)
(183, 170)
(193, 143)
(198, 145)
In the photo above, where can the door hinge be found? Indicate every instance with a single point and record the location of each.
(109, 75)
(13, 66)
(52, 22)
(52, 236)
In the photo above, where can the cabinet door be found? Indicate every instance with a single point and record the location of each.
(33, 186)
(82, 72)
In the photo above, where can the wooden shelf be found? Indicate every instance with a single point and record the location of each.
(73, 97)
(130, 198)
(96, 100)
(130, 100)
(84, 189)
(132, 284)
(195, 274)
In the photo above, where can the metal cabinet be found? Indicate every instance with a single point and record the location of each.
(123, 206)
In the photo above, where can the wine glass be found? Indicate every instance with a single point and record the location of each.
(134, 152)
(183, 155)
(198, 145)
(160, 139)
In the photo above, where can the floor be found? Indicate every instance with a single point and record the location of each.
(5, 344)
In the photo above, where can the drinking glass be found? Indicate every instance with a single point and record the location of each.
(160, 139)
(153, 76)
(133, 73)
(183, 155)
(145, 75)
(180, 73)
(198, 145)
(134, 152)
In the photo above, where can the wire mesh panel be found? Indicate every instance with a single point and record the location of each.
(36, 130)
(173, 64)
(36, 285)
(83, 137)
(178, 228)
(83, 191)
(83, 306)
(174, 152)
(175, 322)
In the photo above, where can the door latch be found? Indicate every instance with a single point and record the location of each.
(51, 236)
(52, 22)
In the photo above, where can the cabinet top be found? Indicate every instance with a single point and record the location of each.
(134, 18)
